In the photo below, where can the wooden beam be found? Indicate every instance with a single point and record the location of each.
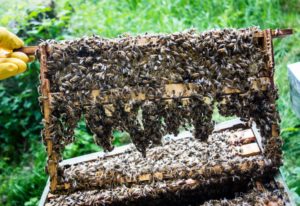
(172, 91)
(181, 173)
(247, 150)
(242, 137)
(45, 194)
(275, 130)
(257, 84)
(53, 157)
(278, 181)
(281, 183)
(247, 136)
(230, 124)
(142, 40)
(275, 33)
(95, 155)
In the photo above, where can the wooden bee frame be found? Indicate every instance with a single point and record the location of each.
(247, 137)
(265, 38)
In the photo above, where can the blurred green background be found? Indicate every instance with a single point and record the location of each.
(22, 175)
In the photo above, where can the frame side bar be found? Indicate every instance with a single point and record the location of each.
(45, 91)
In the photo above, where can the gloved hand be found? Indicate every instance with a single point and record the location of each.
(11, 63)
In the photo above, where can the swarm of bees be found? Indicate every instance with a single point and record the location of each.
(215, 161)
(127, 67)
(153, 85)
(272, 194)
(157, 194)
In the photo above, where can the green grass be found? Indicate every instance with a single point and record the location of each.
(23, 181)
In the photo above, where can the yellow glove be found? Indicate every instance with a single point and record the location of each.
(11, 63)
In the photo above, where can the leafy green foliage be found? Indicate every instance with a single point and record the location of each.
(20, 119)
(23, 159)
(22, 175)
(22, 180)
(83, 143)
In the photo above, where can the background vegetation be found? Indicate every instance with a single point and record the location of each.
(22, 176)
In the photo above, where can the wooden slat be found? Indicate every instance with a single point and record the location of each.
(242, 137)
(30, 50)
(95, 155)
(280, 181)
(249, 149)
(257, 136)
(44, 196)
(171, 91)
(53, 157)
(217, 170)
(275, 33)
(275, 130)
(230, 124)
(257, 84)
(247, 136)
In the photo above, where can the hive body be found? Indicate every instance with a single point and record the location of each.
(153, 85)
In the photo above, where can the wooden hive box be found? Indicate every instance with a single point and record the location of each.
(256, 153)
(243, 141)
